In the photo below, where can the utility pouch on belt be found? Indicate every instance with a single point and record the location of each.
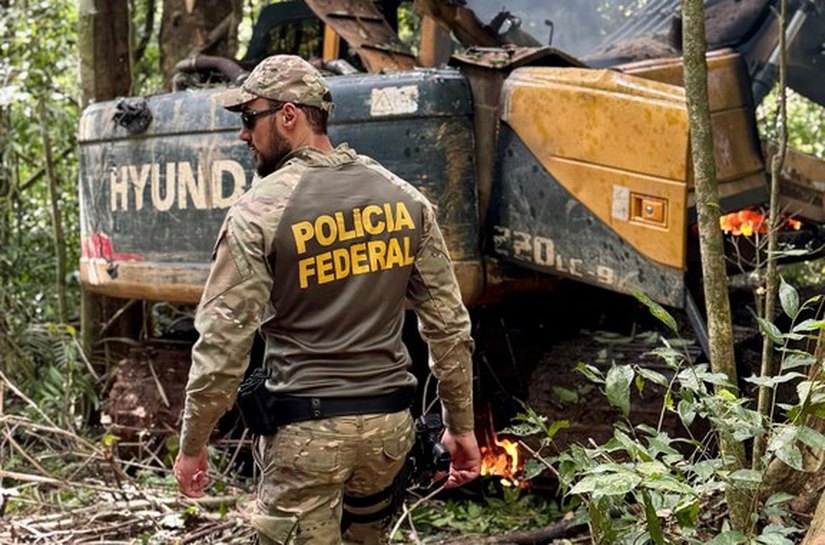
(257, 404)
(264, 411)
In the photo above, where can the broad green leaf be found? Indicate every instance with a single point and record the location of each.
(657, 311)
(731, 537)
(774, 539)
(608, 484)
(522, 429)
(778, 498)
(770, 382)
(811, 437)
(687, 412)
(565, 395)
(792, 361)
(747, 477)
(805, 390)
(630, 446)
(717, 379)
(652, 469)
(640, 384)
(533, 468)
(557, 426)
(687, 514)
(791, 455)
(774, 534)
(788, 298)
(618, 387)
(809, 325)
(669, 484)
(652, 376)
(770, 330)
(586, 485)
(654, 525)
(814, 300)
(592, 373)
(705, 469)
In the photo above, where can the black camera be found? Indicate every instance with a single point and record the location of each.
(428, 455)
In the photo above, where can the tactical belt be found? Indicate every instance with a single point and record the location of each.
(292, 409)
(264, 411)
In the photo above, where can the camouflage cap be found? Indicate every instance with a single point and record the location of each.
(285, 78)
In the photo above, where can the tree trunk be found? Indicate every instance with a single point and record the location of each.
(105, 73)
(189, 27)
(103, 45)
(717, 303)
(6, 171)
(57, 219)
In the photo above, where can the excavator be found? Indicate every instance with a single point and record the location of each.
(554, 141)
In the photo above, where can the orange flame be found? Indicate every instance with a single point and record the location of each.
(748, 222)
(502, 458)
(744, 222)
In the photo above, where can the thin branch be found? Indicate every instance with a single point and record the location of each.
(148, 29)
(768, 368)
(42, 172)
(408, 512)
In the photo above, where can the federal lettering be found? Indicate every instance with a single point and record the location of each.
(353, 260)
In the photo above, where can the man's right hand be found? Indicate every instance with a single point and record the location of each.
(465, 457)
(190, 472)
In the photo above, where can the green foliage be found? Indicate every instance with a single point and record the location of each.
(46, 363)
(645, 486)
(409, 27)
(146, 76)
(514, 510)
(806, 122)
(37, 64)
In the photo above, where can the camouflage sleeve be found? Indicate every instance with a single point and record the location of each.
(445, 324)
(230, 312)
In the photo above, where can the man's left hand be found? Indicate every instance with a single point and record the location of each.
(190, 472)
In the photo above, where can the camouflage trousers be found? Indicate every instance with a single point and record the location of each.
(307, 467)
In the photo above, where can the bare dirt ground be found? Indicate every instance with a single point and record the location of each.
(146, 398)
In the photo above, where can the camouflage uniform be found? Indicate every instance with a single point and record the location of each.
(323, 255)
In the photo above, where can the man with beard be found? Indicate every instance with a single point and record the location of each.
(323, 253)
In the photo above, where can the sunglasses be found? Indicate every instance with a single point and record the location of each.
(249, 117)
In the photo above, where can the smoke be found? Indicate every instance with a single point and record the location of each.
(577, 27)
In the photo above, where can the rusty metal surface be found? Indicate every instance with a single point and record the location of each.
(486, 69)
(184, 283)
(509, 56)
(459, 20)
(364, 28)
(801, 183)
